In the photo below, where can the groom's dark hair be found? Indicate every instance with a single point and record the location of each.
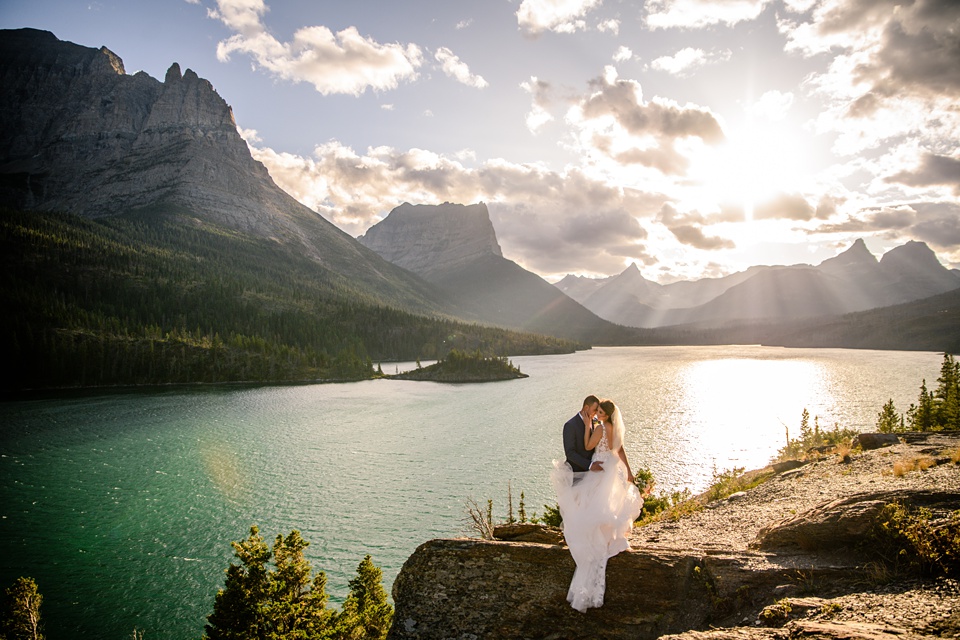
(590, 400)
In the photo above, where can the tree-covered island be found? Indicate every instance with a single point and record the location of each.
(461, 366)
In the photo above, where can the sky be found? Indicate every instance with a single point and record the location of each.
(692, 138)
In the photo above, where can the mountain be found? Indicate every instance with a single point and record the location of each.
(433, 240)
(454, 247)
(140, 243)
(852, 281)
(79, 135)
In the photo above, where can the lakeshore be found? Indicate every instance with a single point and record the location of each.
(791, 557)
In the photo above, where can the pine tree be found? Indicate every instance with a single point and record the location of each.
(921, 416)
(888, 420)
(947, 395)
(366, 614)
(261, 603)
(21, 619)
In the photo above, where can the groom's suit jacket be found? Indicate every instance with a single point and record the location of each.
(577, 456)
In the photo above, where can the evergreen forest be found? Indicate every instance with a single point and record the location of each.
(158, 298)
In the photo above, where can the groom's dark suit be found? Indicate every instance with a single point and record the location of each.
(577, 455)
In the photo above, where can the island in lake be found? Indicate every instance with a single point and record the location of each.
(461, 366)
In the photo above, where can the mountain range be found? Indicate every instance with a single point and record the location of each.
(851, 281)
(138, 224)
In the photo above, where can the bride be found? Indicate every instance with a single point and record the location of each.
(598, 507)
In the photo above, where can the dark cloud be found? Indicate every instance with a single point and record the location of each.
(938, 224)
(687, 228)
(622, 100)
(919, 52)
(933, 170)
(827, 207)
(659, 123)
(789, 206)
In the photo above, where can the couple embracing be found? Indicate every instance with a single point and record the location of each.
(596, 495)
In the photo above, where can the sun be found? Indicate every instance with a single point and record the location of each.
(759, 160)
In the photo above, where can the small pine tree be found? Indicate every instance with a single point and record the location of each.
(888, 420)
(366, 614)
(806, 434)
(522, 511)
(947, 395)
(922, 415)
(21, 620)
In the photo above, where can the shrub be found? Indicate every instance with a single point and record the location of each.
(908, 538)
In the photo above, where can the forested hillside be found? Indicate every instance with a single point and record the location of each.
(165, 298)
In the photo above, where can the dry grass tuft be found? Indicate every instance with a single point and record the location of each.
(918, 463)
(955, 455)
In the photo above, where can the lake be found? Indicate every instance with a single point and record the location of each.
(122, 506)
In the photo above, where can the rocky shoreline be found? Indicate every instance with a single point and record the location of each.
(783, 560)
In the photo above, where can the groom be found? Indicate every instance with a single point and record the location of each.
(577, 455)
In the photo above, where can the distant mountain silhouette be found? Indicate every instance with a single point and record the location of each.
(454, 247)
(851, 281)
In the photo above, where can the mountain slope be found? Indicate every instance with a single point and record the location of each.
(851, 281)
(79, 135)
(454, 247)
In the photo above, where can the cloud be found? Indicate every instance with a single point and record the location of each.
(696, 14)
(616, 122)
(688, 229)
(609, 26)
(892, 64)
(623, 53)
(788, 206)
(547, 220)
(539, 113)
(934, 170)
(683, 62)
(563, 16)
(463, 24)
(344, 62)
(458, 70)
(772, 105)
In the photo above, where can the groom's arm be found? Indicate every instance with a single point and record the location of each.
(571, 434)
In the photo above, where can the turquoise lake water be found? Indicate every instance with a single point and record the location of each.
(122, 506)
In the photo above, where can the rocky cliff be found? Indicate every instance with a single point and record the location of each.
(784, 559)
(432, 239)
(77, 134)
(455, 247)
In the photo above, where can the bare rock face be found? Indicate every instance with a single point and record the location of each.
(482, 589)
(845, 522)
(433, 239)
(79, 135)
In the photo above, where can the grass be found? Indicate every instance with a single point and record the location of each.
(917, 463)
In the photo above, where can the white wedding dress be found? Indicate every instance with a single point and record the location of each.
(598, 510)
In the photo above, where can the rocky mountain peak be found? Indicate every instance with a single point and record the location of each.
(173, 74)
(857, 255)
(429, 239)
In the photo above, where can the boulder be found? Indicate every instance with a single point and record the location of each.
(487, 589)
(869, 441)
(843, 523)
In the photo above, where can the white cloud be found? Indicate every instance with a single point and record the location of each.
(539, 113)
(546, 220)
(458, 70)
(614, 122)
(344, 62)
(683, 62)
(463, 24)
(387, 107)
(563, 16)
(609, 26)
(623, 53)
(772, 105)
(696, 14)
